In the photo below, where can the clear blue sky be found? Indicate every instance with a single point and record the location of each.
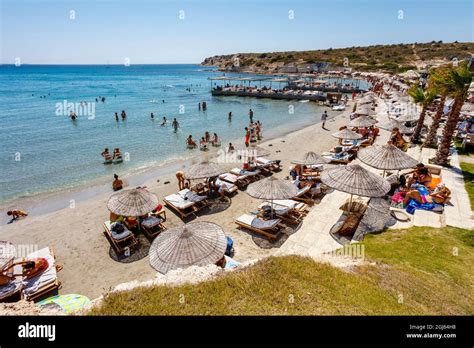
(150, 31)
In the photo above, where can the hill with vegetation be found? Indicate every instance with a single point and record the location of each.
(418, 271)
(386, 58)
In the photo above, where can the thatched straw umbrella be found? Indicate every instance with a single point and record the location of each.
(365, 110)
(203, 170)
(355, 180)
(407, 118)
(386, 157)
(134, 202)
(194, 244)
(7, 253)
(391, 124)
(252, 151)
(347, 134)
(362, 122)
(311, 159)
(272, 188)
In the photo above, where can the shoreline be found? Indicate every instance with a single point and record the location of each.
(76, 233)
(41, 203)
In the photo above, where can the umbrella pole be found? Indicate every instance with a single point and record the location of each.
(350, 204)
(383, 174)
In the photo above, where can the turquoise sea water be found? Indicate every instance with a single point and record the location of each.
(42, 149)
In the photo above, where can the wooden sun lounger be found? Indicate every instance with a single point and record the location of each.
(45, 282)
(240, 181)
(269, 164)
(269, 228)
(288, 214)
(121, 244)
(186, 207)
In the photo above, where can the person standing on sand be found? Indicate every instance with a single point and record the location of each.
(180, 177)
(251, 115)
(247, 136)
(324, 117)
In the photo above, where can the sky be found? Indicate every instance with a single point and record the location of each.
(187, 31)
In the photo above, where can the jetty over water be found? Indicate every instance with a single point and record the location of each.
(262, 87)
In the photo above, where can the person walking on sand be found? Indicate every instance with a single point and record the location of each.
(324, 117)
(180, 177)
(251, 115)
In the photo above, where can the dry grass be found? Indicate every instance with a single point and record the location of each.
(418, 271)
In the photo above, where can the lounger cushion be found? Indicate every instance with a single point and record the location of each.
(251, 220)
(289, 203)
(184, 199)
(226, 185)
(115, 235)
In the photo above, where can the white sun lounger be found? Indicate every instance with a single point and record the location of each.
(186, 202)
(231, 188)
(44, 282)
(268, 228)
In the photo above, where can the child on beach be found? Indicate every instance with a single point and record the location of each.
(16, 214)
(247, 136)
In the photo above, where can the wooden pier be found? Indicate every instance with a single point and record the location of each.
(268, 94)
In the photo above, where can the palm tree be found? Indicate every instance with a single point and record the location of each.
(424, 98)
(457, 81)
(434, 82)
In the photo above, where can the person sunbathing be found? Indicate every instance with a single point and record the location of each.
(30, 269)
(396, 139)
(440, 196)
(421, 176)
(117, 184)
(16, 214)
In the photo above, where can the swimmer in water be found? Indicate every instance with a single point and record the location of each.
(175, 125)
(152, 116)
(116, 116)
(164, 121)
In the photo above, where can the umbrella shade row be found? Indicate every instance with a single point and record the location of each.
(272, 188)
(362, 122)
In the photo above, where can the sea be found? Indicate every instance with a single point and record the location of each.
(42, 150)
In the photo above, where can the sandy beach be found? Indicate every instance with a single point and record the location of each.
(76, 232)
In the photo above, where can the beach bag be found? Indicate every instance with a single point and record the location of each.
(229, 251)
(118, 228)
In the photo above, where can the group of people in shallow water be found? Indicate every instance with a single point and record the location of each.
(202, 106)
(253, 133)
(204, 142)
(123, 115)
(116, 156)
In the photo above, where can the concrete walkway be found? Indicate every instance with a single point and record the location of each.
(313, 238)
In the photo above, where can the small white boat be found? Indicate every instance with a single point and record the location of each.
(339, 107)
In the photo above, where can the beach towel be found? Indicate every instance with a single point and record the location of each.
(67, 303)
(44, 279)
